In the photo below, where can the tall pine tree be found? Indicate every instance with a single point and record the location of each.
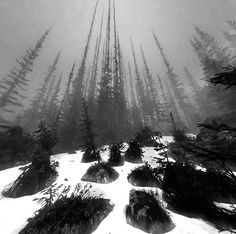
(16, 81)
(74, 106)
(179, 107)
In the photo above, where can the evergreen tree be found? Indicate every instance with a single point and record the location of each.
(146, 137)
(74, 107)
(134, 152)
(46, 100)
(104, 115)
(199, 96)
(176, 90)
(139, 86)
(64, 99)
(93, 79)
(165, 107)
(50, 75)
(119, 98)
(226, 78)
(46, 139)
(91, 153)
(211, 54)
(16, 81)
(213, 58)
(155, 99)
(33, 114)
(115, 158)
(136, 117)
(53, 106)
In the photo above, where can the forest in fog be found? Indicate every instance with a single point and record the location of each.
(118, 116)
(123, 93)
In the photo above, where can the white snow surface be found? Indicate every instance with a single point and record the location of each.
(14, 212)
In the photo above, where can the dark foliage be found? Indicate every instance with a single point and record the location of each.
(145, 212)
(46, 137)
(38, 107)
(79, 213)
(215, 145)
(226, 78)
(71, 136)
(144, 176)
(179, 135)
(115, 158)
(33, 179)
(101, 173)
(16, 146)
(91, 156)
(192, 192)
(16, 81)
(145, 137)
(40, 173)
(134, 153)
(91, 153)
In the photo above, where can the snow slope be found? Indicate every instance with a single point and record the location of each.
(14, 212)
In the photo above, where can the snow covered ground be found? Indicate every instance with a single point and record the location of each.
(14, 212)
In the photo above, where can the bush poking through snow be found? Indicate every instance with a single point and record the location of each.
(77, 213)
(193, 192)
(46, 137)
(101, 173)
(91, 153)
(179, 135)
(143, 176)
(40, 173)
(134, 152)
(33, 179)
(115, 158)
(145, 212)
(146, 137)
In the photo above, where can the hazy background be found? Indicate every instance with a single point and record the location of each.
(22, 22)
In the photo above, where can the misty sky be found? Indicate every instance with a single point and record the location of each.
(22, 22)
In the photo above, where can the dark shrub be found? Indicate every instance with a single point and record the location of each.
(91, 155)
(46, 137)
(180, 135)
(79, 213)
(100, 173)
(145, 137)
(134, 153)
(192, 193)
(16, 146)
(143, 176)
(115, 158)
(145, 212)
(34, 178)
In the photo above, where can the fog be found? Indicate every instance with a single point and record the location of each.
(22, 23)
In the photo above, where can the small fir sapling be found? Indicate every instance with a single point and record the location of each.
(115, 158)
(134, 152)
(91, 153)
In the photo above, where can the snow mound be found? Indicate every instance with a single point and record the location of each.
(15, 212)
